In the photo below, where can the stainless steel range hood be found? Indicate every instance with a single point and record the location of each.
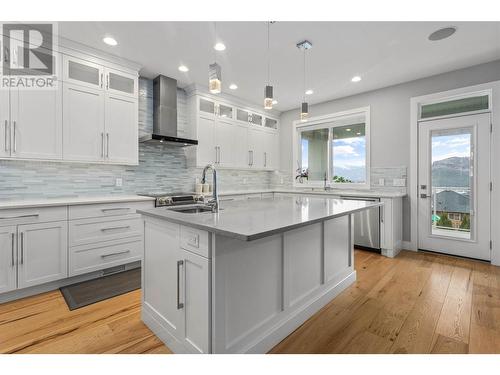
(165, 114)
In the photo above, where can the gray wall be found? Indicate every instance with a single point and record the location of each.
(390, 118)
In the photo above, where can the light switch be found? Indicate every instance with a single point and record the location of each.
(399, 182)
(119, 182)
(381, 181)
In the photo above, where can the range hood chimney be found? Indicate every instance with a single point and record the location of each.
(165, 114)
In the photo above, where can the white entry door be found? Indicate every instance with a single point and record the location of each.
(454, 186)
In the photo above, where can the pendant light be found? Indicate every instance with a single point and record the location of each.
(268, 91)
(304, 107)
(215, 72)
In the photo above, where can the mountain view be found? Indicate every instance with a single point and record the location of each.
(453, 171)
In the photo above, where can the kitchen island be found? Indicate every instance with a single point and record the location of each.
(242, 279)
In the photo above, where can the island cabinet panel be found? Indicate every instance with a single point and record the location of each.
(303, 257)
(337, 237)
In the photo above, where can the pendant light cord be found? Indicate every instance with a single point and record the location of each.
(304, 88)
(215, 32)
(268, 54)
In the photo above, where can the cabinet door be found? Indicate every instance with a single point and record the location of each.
(83, 73)
(240, 145)
(122, 128)
(161, 270)
(42, 253)
(8, 252)
(121, 83)
(270, 150)
(256, 148)
(206, 108)
(4, 124)
(83, 119)
(225, 111)
(224, 140)
(206, 151)
(36, 117)
(195, 292)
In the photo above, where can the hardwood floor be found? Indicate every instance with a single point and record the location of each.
(415, 303)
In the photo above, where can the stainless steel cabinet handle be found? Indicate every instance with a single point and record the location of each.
(102, 145)
(252, 157)
(22, 247)
(249, 157)
(107, 145)
(6, 54)
(265, 159)
(115, 228)
(219, 155)
(101, 80)
(424, 196)
(5, 135)
(18, 217)
(179, 304)
(107, 82)
(114, 209)
(113, 254)
(13, 262)
(15, 138)
(215, 154)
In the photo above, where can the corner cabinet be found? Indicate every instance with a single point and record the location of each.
(100, 113)
(230, 136)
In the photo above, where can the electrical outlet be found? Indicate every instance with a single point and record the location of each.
(399, 182)
(381, 181)
(119, 182)
(281, 180)
(244, 181)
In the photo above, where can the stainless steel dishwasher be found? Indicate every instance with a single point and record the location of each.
(366, 225)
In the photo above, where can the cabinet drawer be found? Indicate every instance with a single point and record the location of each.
(86, 259)
(95, 230)
(195, 240)
(106, 209)
(33, 215)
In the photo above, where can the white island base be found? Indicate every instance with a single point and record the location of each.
(204, 292)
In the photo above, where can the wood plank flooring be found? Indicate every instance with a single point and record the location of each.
(415, 303)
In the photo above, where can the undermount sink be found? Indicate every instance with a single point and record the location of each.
(191, 209)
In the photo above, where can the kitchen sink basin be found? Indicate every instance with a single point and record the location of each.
(191, 209)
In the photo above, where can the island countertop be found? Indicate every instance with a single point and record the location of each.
(249, 221)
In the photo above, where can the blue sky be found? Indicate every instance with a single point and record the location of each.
(447, 146)
(349, 152)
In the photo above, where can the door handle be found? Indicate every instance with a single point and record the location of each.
(424, 196)
(15, 138)
(5, 135)
(13, 261)
(22, 247)
(107, 145)
(179, 304)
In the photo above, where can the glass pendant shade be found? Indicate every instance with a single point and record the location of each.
(214, 78)
(304, 112)
(268, 97)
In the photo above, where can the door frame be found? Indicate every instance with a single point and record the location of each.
(492, 89)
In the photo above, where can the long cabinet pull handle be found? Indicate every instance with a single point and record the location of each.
(107, 82)
(13, 261)
(107, 145)
(22, 247)
(101, 80)
(18, 217)
(102, 145)
(218, 162)
(215, 154)
(265, 159)
(6, 54)
(115, 228)
(179, 304)
(5, 135)
(113, 254)
(15, 137)
(114, 209)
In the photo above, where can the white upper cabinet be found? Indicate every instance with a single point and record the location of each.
(121, 129)
(83, 118)
(4, 124)
(36, 124)
(231, 137)
(121, 83)
(82, 72)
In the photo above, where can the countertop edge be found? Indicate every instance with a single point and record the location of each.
(371, 194)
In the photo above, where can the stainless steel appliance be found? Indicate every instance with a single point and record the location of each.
(367, 225)
(164, 199)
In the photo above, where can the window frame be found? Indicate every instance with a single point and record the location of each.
(319, 122)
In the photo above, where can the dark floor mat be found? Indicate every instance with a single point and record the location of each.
(92, 291)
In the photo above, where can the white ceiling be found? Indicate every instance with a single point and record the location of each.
(382, 53)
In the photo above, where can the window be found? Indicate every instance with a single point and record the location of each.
(334, 148)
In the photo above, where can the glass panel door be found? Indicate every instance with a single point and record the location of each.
(83, 72)
(225, 111)
(256, 119)
(271, 123)
(121, 83)
(242, 115)
(207, 106)
(452, 172)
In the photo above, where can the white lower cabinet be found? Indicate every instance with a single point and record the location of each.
(42, 253)
(176, 288)
(8, 253)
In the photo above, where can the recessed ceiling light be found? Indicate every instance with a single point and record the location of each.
(233, 86)
(348, 130)
(443, 33)
(219, 46)
(358, 133)
(309, 92)
(275, 102)
(110, 41)
(356, 79)
(183, 68)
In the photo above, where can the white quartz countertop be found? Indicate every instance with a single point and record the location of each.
(71, 201)
(370, 193)
(249, 221)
